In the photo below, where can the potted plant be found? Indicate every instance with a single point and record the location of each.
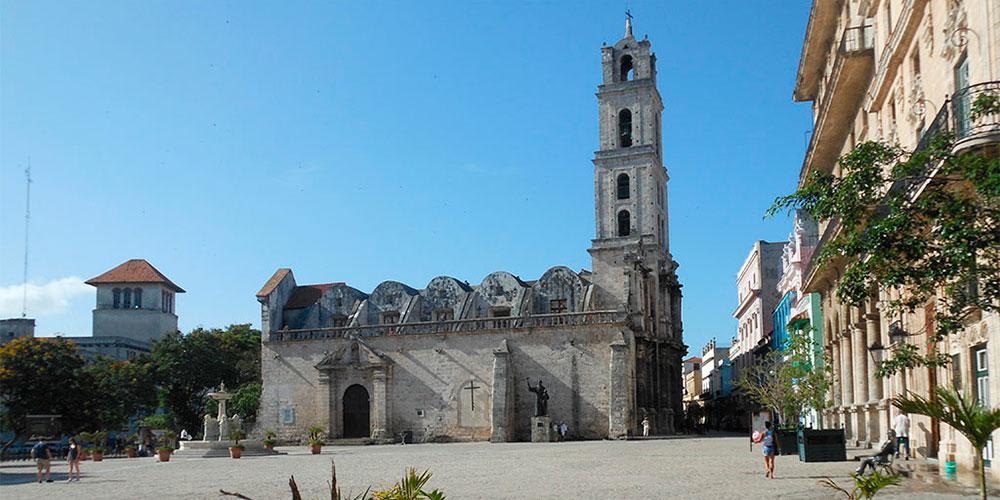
(100, 441)
(316, 439)
(130, 446)
(86, 440)
(236, 450)
(166, 447)
(270, 439)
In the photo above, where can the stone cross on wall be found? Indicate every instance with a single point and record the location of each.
(472, 393)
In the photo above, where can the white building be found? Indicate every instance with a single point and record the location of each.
(134, 301)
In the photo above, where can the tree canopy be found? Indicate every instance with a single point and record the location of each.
(924, 224)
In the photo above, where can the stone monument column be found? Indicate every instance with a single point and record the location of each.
(503, 408)
(323, 397)
(380, 398)
(859, 349)
(618, 389)
(877, 408)
(832, 420)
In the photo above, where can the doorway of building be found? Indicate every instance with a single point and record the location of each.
(356, 412)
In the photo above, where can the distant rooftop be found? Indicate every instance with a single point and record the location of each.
(134, 271)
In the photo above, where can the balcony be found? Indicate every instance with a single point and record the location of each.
(455, 326)
(839, 97)
(973, 133)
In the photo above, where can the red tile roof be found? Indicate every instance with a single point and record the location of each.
(307, 295)
(134, 271)
(694, 359)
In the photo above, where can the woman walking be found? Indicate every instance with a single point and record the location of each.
(73, 457)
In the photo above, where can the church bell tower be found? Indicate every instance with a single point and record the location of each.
(630, 182)
(632, 266)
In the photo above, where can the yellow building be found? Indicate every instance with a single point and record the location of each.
(895, 71)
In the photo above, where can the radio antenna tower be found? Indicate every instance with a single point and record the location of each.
(27, 220)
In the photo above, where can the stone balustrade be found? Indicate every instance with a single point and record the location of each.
(455, 326)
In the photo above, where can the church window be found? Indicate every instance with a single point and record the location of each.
(127, 298)
(117, 294)
(138, 298)
(444, 315)
(623, 187)
(624, 223)
(627, 72)
(499, 312)
(557, 306)
(390, 317)
(624, 128)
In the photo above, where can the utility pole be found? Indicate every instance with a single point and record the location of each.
(27, 220)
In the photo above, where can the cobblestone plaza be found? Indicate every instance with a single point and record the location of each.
(704, 467)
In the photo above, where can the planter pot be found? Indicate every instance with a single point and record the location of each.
(826, 445)
(164, 455)
(236, 452)
(269, 447)
(84, 456)
(316, 448)
(98, 456)
(130, 452)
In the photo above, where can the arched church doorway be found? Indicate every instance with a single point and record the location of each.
(356, 412)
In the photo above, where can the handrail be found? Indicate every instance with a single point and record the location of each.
(454, 326)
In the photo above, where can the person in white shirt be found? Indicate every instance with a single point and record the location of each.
(901, 424)
(645, 426)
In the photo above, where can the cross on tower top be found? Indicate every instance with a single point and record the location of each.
(628, 24)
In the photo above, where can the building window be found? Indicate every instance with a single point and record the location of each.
(127, 298)
(981, 372)
(557, 306)
(956, 372)
(624, 128)
(390, 317)
(499, 312)
(117, 294)
(338, 321)
(626, 72)
(444, 315)
(623, 187)
(624, 223)
(137, 294)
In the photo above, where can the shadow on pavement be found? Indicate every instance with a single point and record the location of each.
(11, 478)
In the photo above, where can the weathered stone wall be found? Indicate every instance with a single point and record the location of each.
(432, 373)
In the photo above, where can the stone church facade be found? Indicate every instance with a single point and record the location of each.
(451, 360)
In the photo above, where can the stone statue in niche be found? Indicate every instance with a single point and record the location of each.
(541, 398)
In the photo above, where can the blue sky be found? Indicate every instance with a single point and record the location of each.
(364, 141)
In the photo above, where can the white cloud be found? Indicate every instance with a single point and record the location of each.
(51, 298)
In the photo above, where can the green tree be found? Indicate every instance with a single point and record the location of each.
(967, 416)
(189, 366)
(42, 377)
(942, 246)
(789, 380)
(119, 390)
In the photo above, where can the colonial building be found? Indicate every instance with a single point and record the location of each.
(717, 387)
(757, 291)
(799, 310)
(451, 360)
(897, 71)
(135, 307)
(14, 328)
(691, 371)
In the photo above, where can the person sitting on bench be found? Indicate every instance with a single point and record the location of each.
(883, 457)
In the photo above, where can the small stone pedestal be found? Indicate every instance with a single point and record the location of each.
(541, 429)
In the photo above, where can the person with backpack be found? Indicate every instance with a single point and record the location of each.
(42, 455)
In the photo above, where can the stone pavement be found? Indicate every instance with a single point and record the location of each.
(696, 467)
